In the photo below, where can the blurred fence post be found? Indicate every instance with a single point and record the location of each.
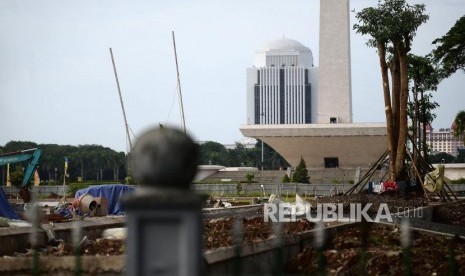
(163, 215)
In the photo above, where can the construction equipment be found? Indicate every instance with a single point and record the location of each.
(31, 157)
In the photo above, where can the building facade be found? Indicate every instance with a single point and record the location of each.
(443, 140)
(281, 83)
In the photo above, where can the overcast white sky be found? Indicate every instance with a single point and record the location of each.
(57, 83)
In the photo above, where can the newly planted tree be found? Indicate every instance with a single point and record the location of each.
(392, 26)
(424, 78)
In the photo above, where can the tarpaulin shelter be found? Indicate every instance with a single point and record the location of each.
(112, 192)
(5, 208)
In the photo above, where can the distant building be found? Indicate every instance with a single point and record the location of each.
(281, 86)
(443, 140)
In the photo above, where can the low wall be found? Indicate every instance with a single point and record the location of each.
(273, 188)
(16, 239)
(232, 188)
(453, 171)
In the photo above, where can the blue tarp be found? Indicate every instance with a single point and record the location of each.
(112, 192)
(5, 208)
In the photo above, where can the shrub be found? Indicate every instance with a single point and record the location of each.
(72, 188)
(301, 173)
(249, 176)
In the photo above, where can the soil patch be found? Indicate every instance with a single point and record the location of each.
(450, 214)
(382, 254)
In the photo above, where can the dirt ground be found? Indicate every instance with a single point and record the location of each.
(383, 254)
(450, 214)
(375, 248)
(219, 232)
(393, 201)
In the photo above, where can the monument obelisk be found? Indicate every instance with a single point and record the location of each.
(334, 85)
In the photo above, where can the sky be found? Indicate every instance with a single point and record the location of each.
(57, 84)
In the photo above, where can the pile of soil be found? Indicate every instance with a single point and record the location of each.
(430, 254)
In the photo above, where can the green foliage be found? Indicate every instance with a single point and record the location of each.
(440, 157)
(129, 180)
(301, 173)
(213, 153)
(458, 181)
(286, 179)
(391, 20)
(249, 176)
(91, 162)
(238, 188)
(72, 188)
(216, 154)
(13, 146)
(272, 159)
(16, 177)
(422, 71)
(450, 51)
(459, 125)
(460, 156)
(392, 25)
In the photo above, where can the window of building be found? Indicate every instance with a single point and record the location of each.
(331, 162)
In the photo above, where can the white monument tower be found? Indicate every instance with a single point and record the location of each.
(334, 86)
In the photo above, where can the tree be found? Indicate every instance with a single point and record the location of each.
(461, 156)
(459, 125)
(450, 51)
(249, 176)
(392, 26)
(16, 179)
(213, 153)
(442, 157)
(87, 161)
(424, 77)
(301, 173)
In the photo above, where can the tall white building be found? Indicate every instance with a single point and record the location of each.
(281, 86)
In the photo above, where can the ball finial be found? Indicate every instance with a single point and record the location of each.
(164, 157)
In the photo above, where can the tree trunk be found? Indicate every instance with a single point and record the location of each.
(387, 104)
(416, 126)
(403, 126)
(395, 95)
(424, 146)
(82, 170)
